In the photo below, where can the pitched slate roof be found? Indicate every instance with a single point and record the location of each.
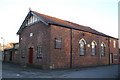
(63, 23)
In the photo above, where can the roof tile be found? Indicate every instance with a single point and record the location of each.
(57, 21)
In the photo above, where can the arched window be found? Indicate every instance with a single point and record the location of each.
(102, 49)
(94, 44)
(82, 47)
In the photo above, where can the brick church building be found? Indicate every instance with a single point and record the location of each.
(49, 42)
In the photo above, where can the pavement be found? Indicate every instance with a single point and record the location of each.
(16, 71)
(0, 69)
(0, 64)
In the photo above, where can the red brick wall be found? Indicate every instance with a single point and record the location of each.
(114, 50)
(88, 59)
(60, 58)
(40, 38)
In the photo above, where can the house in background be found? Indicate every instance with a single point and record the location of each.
(49, 42)
(11, 53)
(0, 47)
(8, 45)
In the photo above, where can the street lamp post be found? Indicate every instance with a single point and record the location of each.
(3, 47)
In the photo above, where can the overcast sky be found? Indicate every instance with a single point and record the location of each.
(101, 15)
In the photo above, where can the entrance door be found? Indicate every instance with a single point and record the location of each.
(10, 55)
(111, 59)
(30, 55)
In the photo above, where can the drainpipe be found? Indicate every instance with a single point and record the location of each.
(109, 49)
(70, 48)
(99, 52)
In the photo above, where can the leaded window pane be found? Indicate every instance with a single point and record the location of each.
(82, 48)
(23, 53)
(93, 48)
(103, 50)
(115, 56)
(39, 52)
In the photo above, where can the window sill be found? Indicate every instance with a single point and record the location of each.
(22, 57)
(93, 55)
(82, 55)
(102, 55)
(57, 48)
(39, 57)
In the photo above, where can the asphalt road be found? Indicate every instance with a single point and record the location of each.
(16, 71)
